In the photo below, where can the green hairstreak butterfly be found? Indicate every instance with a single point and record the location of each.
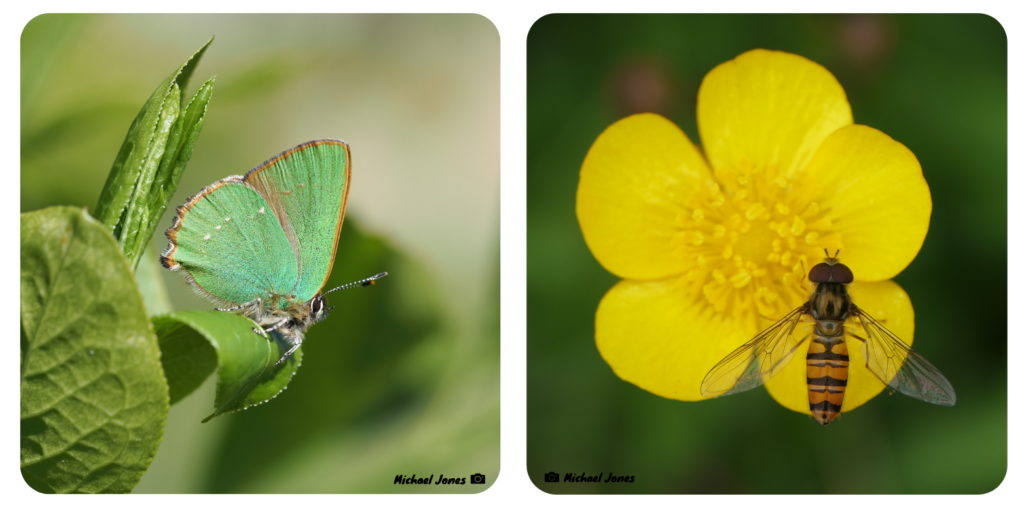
(263, 244)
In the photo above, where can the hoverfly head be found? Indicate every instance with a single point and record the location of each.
(831, 271)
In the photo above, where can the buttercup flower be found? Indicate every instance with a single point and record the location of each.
(714, 247)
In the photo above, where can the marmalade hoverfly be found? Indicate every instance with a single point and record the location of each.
(828, 360)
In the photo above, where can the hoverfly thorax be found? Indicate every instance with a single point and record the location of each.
(830, 306)
(830, 302)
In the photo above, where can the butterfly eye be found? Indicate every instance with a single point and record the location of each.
(821, 273)
(842, 273)
(317, 306)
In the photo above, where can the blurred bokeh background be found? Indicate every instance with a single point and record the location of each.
(403, 377)
(936, 83)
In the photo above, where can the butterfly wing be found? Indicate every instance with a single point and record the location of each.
(900, 367)
(230, 244)
(307, 187)
(758, 360)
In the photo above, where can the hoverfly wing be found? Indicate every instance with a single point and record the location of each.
(900, 367)
(758, 360)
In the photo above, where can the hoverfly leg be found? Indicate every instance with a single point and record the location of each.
(805, 280)
(855, 336)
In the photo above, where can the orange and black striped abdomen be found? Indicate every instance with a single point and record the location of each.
(828, 363)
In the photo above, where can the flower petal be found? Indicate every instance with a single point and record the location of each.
(662, 338)
(632, 184)
(883, 300)
(874, 193)
(768, 108)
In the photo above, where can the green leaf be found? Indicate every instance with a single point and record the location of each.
(152, 157)
(194, 343)
(93, 394)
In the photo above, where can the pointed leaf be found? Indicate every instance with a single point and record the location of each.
(136, 214)
(179, 151)
(186, 70)
(151, 159)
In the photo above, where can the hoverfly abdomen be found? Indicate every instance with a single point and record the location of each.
(828, 365)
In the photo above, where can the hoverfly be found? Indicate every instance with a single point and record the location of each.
(828, 360)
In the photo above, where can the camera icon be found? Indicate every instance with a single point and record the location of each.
(477, 479)
(551, 477)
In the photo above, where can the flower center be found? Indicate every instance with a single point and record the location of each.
(755, 244)
(749, 234)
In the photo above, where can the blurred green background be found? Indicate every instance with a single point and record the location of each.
(936, 83)
(403, 377)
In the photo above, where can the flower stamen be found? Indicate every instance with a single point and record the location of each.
(742, 231)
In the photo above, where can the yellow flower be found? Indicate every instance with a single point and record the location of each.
(715, 247)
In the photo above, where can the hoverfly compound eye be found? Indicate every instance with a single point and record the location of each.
(821, 272)
(842, 273)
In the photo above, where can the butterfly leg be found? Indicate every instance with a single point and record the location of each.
(295, 346)
(241, 306)
(277, 325)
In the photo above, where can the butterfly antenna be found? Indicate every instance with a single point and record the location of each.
(361, 283)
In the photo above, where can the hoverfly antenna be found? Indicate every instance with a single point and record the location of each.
(833, 258)
(360, 283)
